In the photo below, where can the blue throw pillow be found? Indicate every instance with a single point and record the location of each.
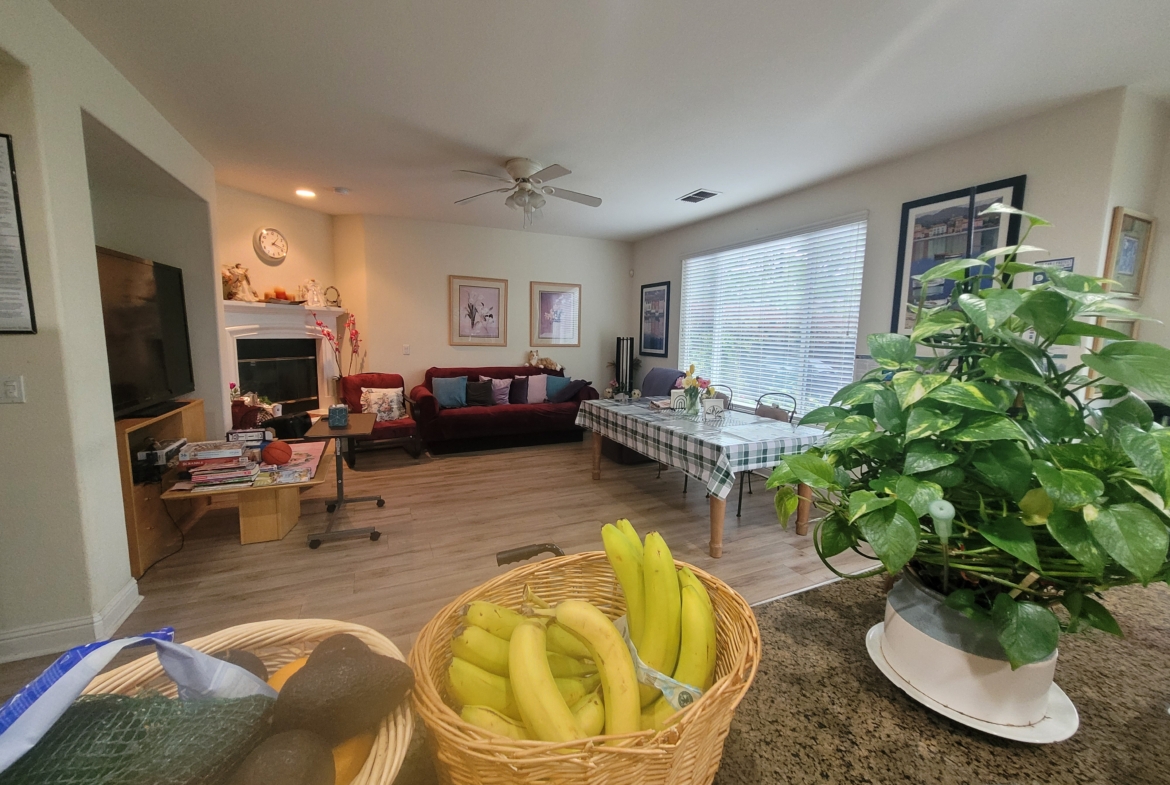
(554, 384)
(452, 393)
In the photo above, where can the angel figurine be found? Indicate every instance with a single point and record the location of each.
(237, 285)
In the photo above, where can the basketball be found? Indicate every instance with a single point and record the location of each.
(277, 453)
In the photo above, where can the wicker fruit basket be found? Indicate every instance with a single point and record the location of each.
(686, 752)
(279, 642)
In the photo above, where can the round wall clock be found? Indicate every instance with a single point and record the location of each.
(270, 245)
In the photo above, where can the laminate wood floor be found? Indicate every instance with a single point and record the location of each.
(444, 520)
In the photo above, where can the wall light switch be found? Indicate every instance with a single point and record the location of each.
(406, 348)
(12, 389)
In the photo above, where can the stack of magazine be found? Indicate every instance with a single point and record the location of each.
(219, 464)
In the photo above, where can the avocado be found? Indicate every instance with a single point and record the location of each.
(340, 645)
(297, 757)
(342, 695)
(246, 660)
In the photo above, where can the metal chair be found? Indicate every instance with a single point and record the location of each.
(725, 396)
(773, 412)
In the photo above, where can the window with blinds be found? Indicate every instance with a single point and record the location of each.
(776, 316)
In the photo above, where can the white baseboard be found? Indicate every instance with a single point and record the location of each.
(55, 637)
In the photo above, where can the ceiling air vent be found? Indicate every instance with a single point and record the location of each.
(698, 196)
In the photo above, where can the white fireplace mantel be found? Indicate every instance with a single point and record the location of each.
(245, 321)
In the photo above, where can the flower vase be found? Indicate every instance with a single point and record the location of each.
(691, 394)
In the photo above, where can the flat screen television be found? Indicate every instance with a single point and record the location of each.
(147, 344)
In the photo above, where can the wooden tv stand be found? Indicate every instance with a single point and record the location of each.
(151, 531)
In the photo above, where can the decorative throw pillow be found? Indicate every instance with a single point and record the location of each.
(386, 403)
(570, 391)
(452, 393)
(536, 387)
(480, 393)
(554, 384)
(500, 390)
(518, 392)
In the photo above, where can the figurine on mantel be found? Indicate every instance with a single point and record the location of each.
(311, 293)
(237, 285)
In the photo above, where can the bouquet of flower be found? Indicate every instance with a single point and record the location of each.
(351, 334)
(693, 388)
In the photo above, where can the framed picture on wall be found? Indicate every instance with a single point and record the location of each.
(654, 320)
(478, 311)
(949, 226)
(1129, 250)
(555, 317)
(16, 315)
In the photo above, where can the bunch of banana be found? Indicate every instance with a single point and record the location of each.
(480, 647)
(696, 659)
(471, 685)
(659, 645)
(625, 556)
(546, 714)
(619, 683)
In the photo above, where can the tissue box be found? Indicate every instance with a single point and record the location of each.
(338, 415)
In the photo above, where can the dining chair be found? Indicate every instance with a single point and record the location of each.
(773, 411)
(726, 396)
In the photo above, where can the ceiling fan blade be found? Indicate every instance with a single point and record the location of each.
(485, 193)
(573, 196)
(549, 173)
(485, 174)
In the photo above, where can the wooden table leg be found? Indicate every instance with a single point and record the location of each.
(597, 437)
(268, 514)
(802, 508)
(718, 510)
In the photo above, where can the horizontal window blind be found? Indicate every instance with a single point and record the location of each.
(776, 316)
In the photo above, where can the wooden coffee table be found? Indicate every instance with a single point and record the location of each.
(359, 425)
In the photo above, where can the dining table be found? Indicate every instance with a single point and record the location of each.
(712, 448)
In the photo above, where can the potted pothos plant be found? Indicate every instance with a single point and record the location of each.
(1055, 498)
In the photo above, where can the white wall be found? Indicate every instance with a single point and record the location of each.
(1067, 154)
(64, 570)
(399, 291)
(309, 233)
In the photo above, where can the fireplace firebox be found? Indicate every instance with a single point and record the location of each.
(284, 370)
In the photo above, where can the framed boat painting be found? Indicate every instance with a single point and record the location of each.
(654, 321)
(1129, 250)
(949, 226)
(555, 318)
(478, 311)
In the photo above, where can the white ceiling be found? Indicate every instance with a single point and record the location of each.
(644, 101)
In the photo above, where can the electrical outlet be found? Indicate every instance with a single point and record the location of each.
(406, 348)
(12, 389)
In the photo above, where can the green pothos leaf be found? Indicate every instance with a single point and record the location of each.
(924, 422)
(918, 493)
(912, 386)
(892, 532)
(833, 535)
(923, 456)
(1028, 632)
(1010, 534)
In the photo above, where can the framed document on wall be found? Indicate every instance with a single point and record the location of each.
(16, 305)
(654, 320)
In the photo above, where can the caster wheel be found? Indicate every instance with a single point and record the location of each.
(314, 544)
(374, 536)
(381, 502)
(330, 507)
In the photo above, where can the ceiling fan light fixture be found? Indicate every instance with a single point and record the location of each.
(536, 201)
(511, 201)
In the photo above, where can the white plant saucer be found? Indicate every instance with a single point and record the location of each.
(1060, 721)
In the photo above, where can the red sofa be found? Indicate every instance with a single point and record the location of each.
(488, 426)
(403, 431)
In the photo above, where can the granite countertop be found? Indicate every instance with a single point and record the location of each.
(821, 712)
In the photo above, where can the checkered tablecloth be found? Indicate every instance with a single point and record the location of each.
(712, 450)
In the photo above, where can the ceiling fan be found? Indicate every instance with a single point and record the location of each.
(526, 186)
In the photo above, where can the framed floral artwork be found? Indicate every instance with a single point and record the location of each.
(479, 311)
(1129, 249)
(555, 313)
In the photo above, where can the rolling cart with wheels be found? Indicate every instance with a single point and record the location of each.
(359, 425)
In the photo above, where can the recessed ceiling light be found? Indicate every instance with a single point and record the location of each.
(306, 193)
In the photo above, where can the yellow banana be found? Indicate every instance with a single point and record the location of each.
(491, 720)
(688, 578)
(565, 667)
(614, 665)
(545, 713)
(590, 714)
(560, 640)
(660, 635)
(573, 690)
(470, 685)
(655, 715)
(484, 650)
(496, 619)
(627, 565)
(628, 529)
(481, 648)
(696, 654)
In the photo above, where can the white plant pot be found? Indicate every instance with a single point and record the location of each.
(958, 662)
